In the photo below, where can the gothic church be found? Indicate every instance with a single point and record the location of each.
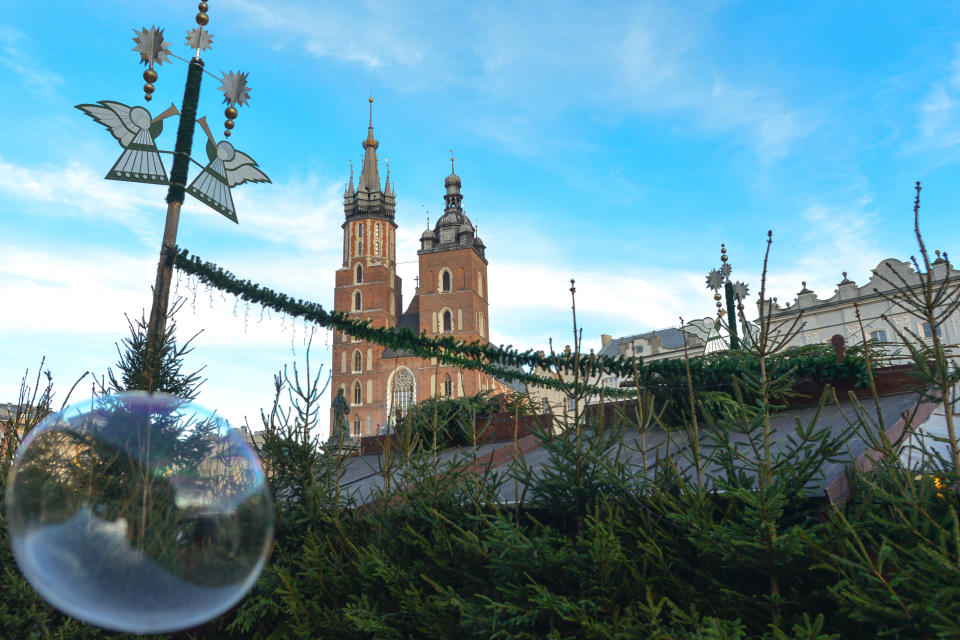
(451, 300)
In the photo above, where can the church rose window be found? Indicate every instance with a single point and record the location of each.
(402, 392)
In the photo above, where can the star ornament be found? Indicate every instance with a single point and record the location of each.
(714, 280)
(199, 39)
(235, 88)
(740, 290)
(150, 46)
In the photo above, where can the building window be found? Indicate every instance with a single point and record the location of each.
(571, 404)
(360, 248)
(376, 248)
(447, 320)
(402, 392)
(445, 281)
(376, 232)
(878, 336)
(448, 386)
(928, 332)
(360, 230)
(357, 306)
(356, 427)
(357, 361)
(359, 274)
(357, 393)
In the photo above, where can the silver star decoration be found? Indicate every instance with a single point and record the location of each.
(199, 39)
(235, 89)
(714, 280)
(726, 269)
(740, 290)
(151, 46)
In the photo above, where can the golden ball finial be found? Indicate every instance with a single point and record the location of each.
(370, 99)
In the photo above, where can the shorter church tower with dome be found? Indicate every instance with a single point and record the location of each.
(380, 384)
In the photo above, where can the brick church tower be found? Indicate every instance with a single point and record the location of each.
(381, 384)
(453, 276)
(367, 286)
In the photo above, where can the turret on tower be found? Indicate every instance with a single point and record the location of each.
(453, 270)
(369, 199)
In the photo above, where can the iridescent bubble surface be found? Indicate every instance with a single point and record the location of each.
(141, 513)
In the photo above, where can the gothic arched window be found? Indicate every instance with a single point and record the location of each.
(357, 361)
(357, 393)
(447, 320)
(359, 274)
(402, 396)
(357, 305)
(376, 248)
(445, 281)
(376, 232)
(356, 426)
(448, 386)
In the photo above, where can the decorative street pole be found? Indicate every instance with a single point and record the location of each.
(720, 278)
(140, 162)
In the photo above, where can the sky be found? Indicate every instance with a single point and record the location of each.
(617, 143)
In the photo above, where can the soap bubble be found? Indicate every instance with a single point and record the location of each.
(141, 513)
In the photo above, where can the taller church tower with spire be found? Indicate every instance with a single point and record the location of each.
(378, 383)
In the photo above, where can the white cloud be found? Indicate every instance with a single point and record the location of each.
(330, 30)
(652, 58)
(14, 55)
(939, 117)
(305, 213)
(828, 239)
(74, 190)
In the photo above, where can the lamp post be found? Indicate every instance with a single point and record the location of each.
(136, 132)
(720, 279)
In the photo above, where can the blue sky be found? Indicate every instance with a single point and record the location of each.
(616, 143)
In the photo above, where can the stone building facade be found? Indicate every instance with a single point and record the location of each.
(451, 299)
(819, 319)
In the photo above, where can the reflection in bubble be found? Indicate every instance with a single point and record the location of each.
(139, 512)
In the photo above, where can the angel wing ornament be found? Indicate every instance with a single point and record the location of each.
(227, 168)
(136, 131)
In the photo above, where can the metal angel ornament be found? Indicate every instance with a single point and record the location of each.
(136, 131)
(227, 168)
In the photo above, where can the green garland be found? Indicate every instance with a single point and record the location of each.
(502, 362)
(188, 116)
(506, 363)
